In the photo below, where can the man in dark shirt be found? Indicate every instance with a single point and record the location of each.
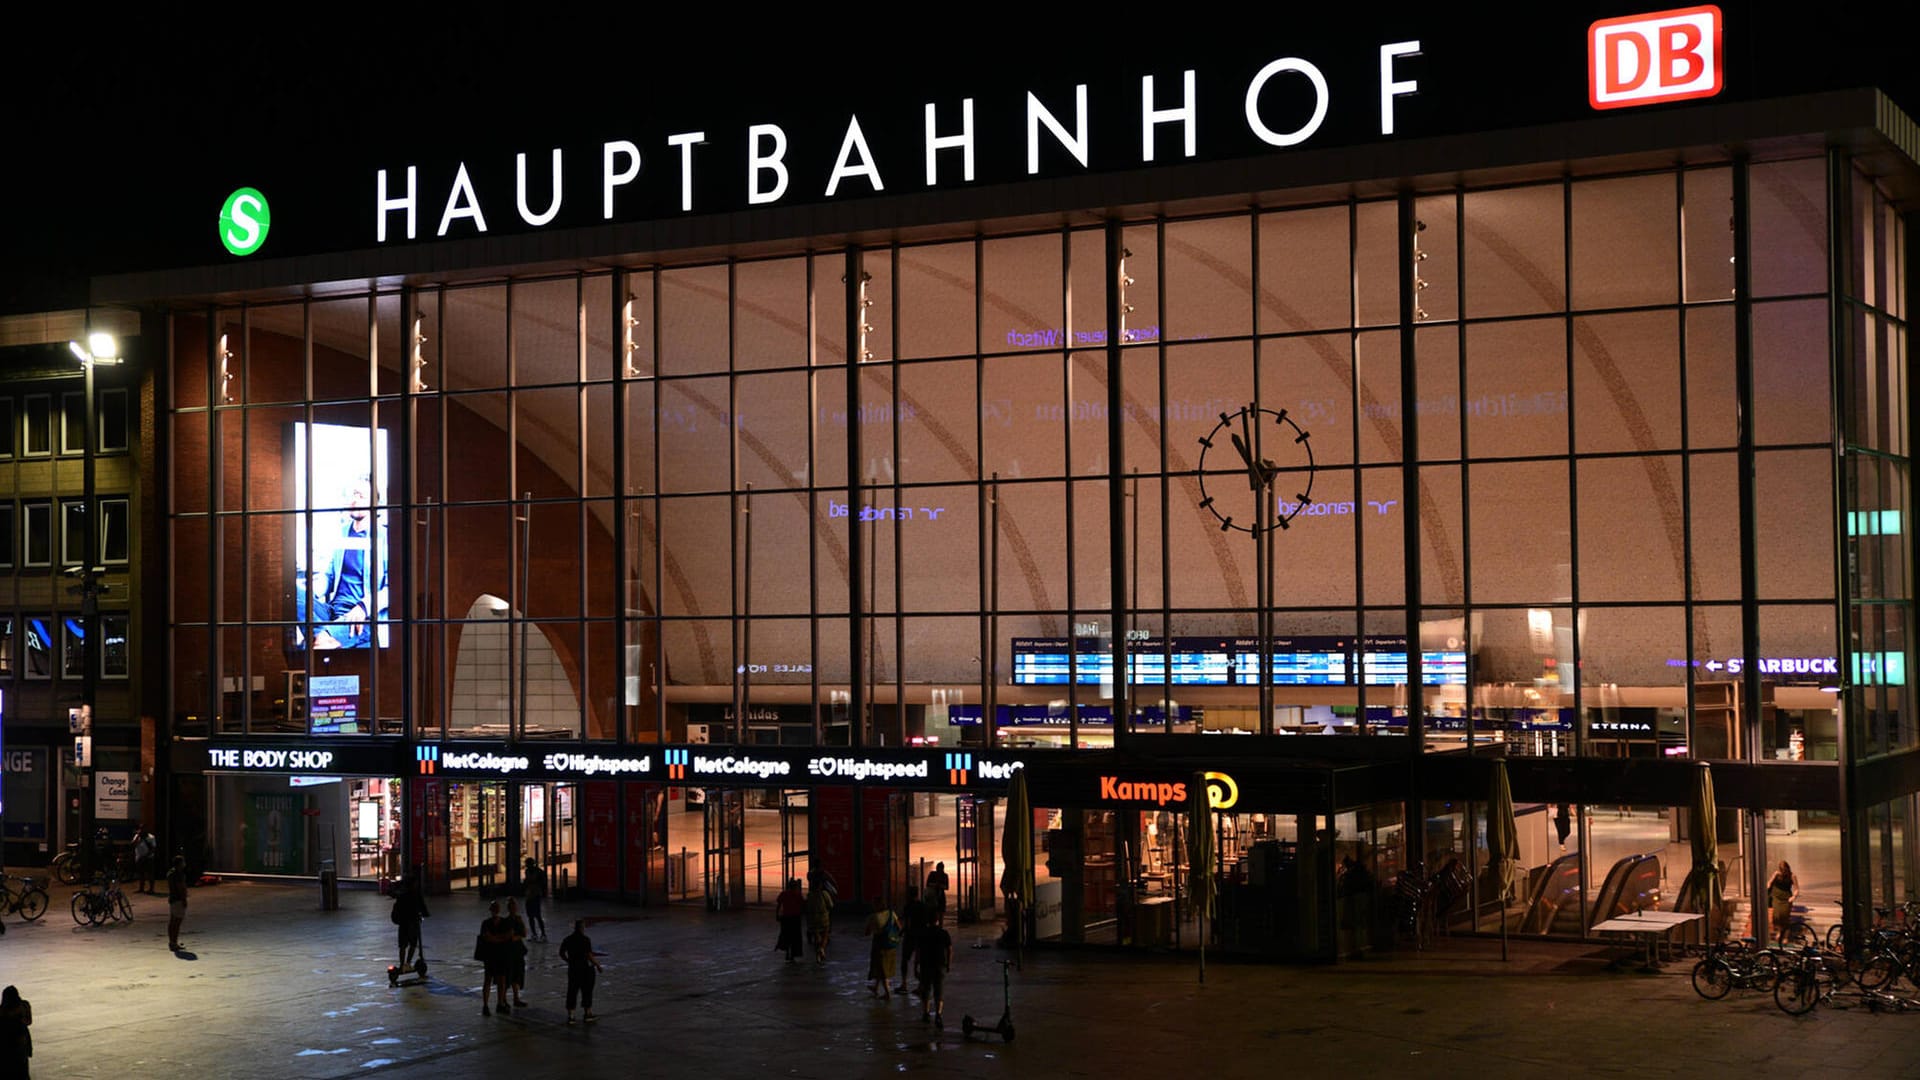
(409, 907)
(176, 900)
(935, 956)
(914, 915)
(582, 969)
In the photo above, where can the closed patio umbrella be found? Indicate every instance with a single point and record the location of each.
(1706, 846)
(1503, 842)
(1200, 859)
(1016, 847)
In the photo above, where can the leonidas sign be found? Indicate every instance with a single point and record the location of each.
(1645, 59)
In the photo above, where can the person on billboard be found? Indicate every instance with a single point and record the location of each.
(345, 607)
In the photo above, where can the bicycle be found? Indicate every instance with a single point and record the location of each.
(1808, 984)
(103, 901)
(1726, 967)
(29, 901)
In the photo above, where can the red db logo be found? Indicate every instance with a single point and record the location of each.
(1664, 56)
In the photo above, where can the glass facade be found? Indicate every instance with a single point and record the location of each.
(1563, 485)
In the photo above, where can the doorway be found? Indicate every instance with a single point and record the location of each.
(724, 865)
(477, 834)
(548, 831)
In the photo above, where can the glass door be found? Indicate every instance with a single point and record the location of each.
(548, 831)
(725, 864)
(795, 835)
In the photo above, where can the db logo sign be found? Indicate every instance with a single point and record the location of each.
(1665, 56)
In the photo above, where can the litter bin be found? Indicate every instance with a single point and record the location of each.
(329, 887)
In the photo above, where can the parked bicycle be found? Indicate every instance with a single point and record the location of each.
(70, 867)
(103, 901)
(1811, 981)
(29, 900)
(1744, 966)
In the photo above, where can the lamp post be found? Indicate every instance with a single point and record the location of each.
(101, 348)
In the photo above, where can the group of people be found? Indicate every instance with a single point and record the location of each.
(501, 945)
(911, 940)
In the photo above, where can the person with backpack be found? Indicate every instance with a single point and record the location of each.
(886, 929)
(409, 907)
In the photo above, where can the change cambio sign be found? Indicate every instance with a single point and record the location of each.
(1663, 56)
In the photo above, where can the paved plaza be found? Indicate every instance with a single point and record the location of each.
(271, 986)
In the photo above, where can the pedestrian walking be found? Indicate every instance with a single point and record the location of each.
(583, 968)
(176, 901)
(790, 909)
(145, 850)
(409, 907)
(937, 885)
(517, 955)
(534, 881)
(935, 956)
(16, 1038)
(914, 914)
(819, 921)
(885, 930)
(492, 948)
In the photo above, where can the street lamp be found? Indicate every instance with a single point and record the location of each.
(101, 348)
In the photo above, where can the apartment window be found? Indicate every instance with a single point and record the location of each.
(38, 440)
(113, 646)
(6, 428)
(39, 647)
(73, 423)
(73, 533)
(39, 534)
(6, 536)
(73, 647)
(112, 419)
(113, 530)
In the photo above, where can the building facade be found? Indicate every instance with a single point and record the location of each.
(727, 534)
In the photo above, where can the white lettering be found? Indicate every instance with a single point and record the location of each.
(1277, 138)
(1151, 117)
(962, 142)
(758, 163)
(520, 172)
(248, 226)
(383, 205)
(686, 142)
(612, 179)
(462, 187)
(1075, 144)
(1389, 89)
(855, 141)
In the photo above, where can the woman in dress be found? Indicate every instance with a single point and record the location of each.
(1782, 891)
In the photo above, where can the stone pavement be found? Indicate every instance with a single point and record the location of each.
(271, 986)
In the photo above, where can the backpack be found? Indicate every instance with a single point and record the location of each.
(890, 933)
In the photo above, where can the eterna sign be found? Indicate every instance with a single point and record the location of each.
(1170, 129)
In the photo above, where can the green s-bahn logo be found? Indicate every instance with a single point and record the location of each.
(244, 221)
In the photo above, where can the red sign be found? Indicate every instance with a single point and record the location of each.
(600, 840)
(1662, 56)
(831, 809)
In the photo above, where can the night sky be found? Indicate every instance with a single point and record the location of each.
(114, 127)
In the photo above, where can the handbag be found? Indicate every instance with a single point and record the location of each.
(480, 947)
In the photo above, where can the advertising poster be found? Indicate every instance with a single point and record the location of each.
(333, 704)
(340, 542)
(274, 834)
(833, 846)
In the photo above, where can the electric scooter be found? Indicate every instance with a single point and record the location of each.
(395, 971)
(968, 1025)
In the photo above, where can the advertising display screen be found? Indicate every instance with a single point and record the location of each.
(1302, 660)
(340, 539)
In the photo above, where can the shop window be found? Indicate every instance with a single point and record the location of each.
(39, 534)
(6, 428)
(73, 423)
(39, 434)
(114, 529)
(113, 646)
(39, 647)
(6, 645)
(112, 419)
(73, 647)
(73, 532)
(6, 536)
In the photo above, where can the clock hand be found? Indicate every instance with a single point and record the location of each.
(1246, 455)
